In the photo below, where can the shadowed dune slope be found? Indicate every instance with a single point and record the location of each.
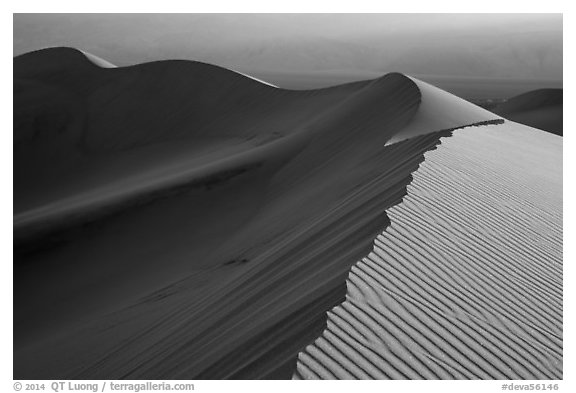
(466, 283)
(177, 220)
(537, 108)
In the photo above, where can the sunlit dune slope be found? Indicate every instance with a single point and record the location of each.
(100, 62)
(466, 282)
(179, 220)
(540, 108)
(440, 110)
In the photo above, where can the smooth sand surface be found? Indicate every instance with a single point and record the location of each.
(466, 282)
(540, 109)
(455, 113)
(177, 220)
(100, 62)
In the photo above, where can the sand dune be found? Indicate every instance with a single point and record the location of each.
(466, 282)
(178, 220)
(540, 108)
(456, 113)
(100, 62)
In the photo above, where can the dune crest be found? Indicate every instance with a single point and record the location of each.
(440, 110)
(466, 283)
(100, 62)
(192, 222)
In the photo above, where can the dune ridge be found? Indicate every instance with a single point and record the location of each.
(466, 283)
(177, 220)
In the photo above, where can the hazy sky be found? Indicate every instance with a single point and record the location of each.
(501, 45)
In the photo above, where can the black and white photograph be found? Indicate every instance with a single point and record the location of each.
(287, 196)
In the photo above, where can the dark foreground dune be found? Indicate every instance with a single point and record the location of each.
(177, 220)
(540, 109)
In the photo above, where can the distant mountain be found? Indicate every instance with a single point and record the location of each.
(520, 46)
